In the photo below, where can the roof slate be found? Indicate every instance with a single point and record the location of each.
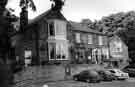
(79, 27)
(49, 14)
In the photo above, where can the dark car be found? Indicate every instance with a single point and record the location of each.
(88, 76)
(106, 75)
(130, 69)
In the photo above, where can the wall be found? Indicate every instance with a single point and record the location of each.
(51, 72)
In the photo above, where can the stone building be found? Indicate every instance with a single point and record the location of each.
(118, 52)
(44, 40)
(88, 45)
(50, 38)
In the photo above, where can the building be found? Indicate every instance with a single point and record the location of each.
(44, 40)
(88, 45)
(118, 52)
(51, 39)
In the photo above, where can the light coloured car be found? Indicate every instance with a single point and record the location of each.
(119, 74)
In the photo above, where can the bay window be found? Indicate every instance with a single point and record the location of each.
(61, 51)
(51, 29)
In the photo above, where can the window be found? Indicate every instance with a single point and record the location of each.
(105, 41)
(100, 40)
(28, 53)
(84, 38)
(112, 71)
(51, 29)
(90, 40)
(60, 30)
(117, 47)
(51, 51)
(105, 53)
(78, 37)
(61, 51)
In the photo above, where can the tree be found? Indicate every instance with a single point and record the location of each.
(121, 24)
(24, 5)
(57, 6)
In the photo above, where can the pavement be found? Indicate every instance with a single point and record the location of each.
(128, 83)
(71, 83)
(52, 76)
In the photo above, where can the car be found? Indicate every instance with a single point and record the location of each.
(106, 75)
(130, 69)
(119, 74)
(87, 76)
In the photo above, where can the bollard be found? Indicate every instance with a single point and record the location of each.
(67, 71)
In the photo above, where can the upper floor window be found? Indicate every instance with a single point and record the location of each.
(60, 29)
(90, 40)
(100, 38)
(105, 40)
(118, 46)
(77, 37)
(84, 38)
(51, 29)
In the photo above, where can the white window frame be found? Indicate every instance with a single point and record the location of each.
(100, 40)
(66, 53)
(90, 39)
(77, 37)
(49, 28)
(49, 52)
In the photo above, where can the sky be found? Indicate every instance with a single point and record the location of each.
(76, 10)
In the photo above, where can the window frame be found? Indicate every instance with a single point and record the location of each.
(49, 29)
(78, 37)
(91, 42)
(100, 40)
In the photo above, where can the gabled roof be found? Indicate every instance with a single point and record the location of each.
(49, 14)
(79, 27)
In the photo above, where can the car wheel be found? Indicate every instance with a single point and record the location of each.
(88, 80)
(75, 78)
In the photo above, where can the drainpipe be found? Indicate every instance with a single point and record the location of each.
(109, 53)
(37, 60)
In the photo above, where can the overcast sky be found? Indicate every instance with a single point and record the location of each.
(76, 10)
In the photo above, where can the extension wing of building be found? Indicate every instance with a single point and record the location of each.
(50, 38)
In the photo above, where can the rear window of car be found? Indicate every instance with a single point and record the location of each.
(112, 71)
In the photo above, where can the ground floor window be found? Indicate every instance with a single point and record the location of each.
(80, 56)
(61, 51)
(105, 53)
(58, 51)
(51, 47)
(28, 57)
(98, 55)
(91, 55)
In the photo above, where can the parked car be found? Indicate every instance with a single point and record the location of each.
(119, 74)
(106, 75)
(88, 76)
(130, 69)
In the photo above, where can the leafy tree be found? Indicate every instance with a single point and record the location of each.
(24, 5)
(121, 24)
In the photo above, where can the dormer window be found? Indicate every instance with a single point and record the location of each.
(51, 29)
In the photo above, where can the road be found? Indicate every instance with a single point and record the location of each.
(71, 83)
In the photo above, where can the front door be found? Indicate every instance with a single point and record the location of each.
(80, 56)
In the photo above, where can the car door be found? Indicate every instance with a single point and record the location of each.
(84, 75)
